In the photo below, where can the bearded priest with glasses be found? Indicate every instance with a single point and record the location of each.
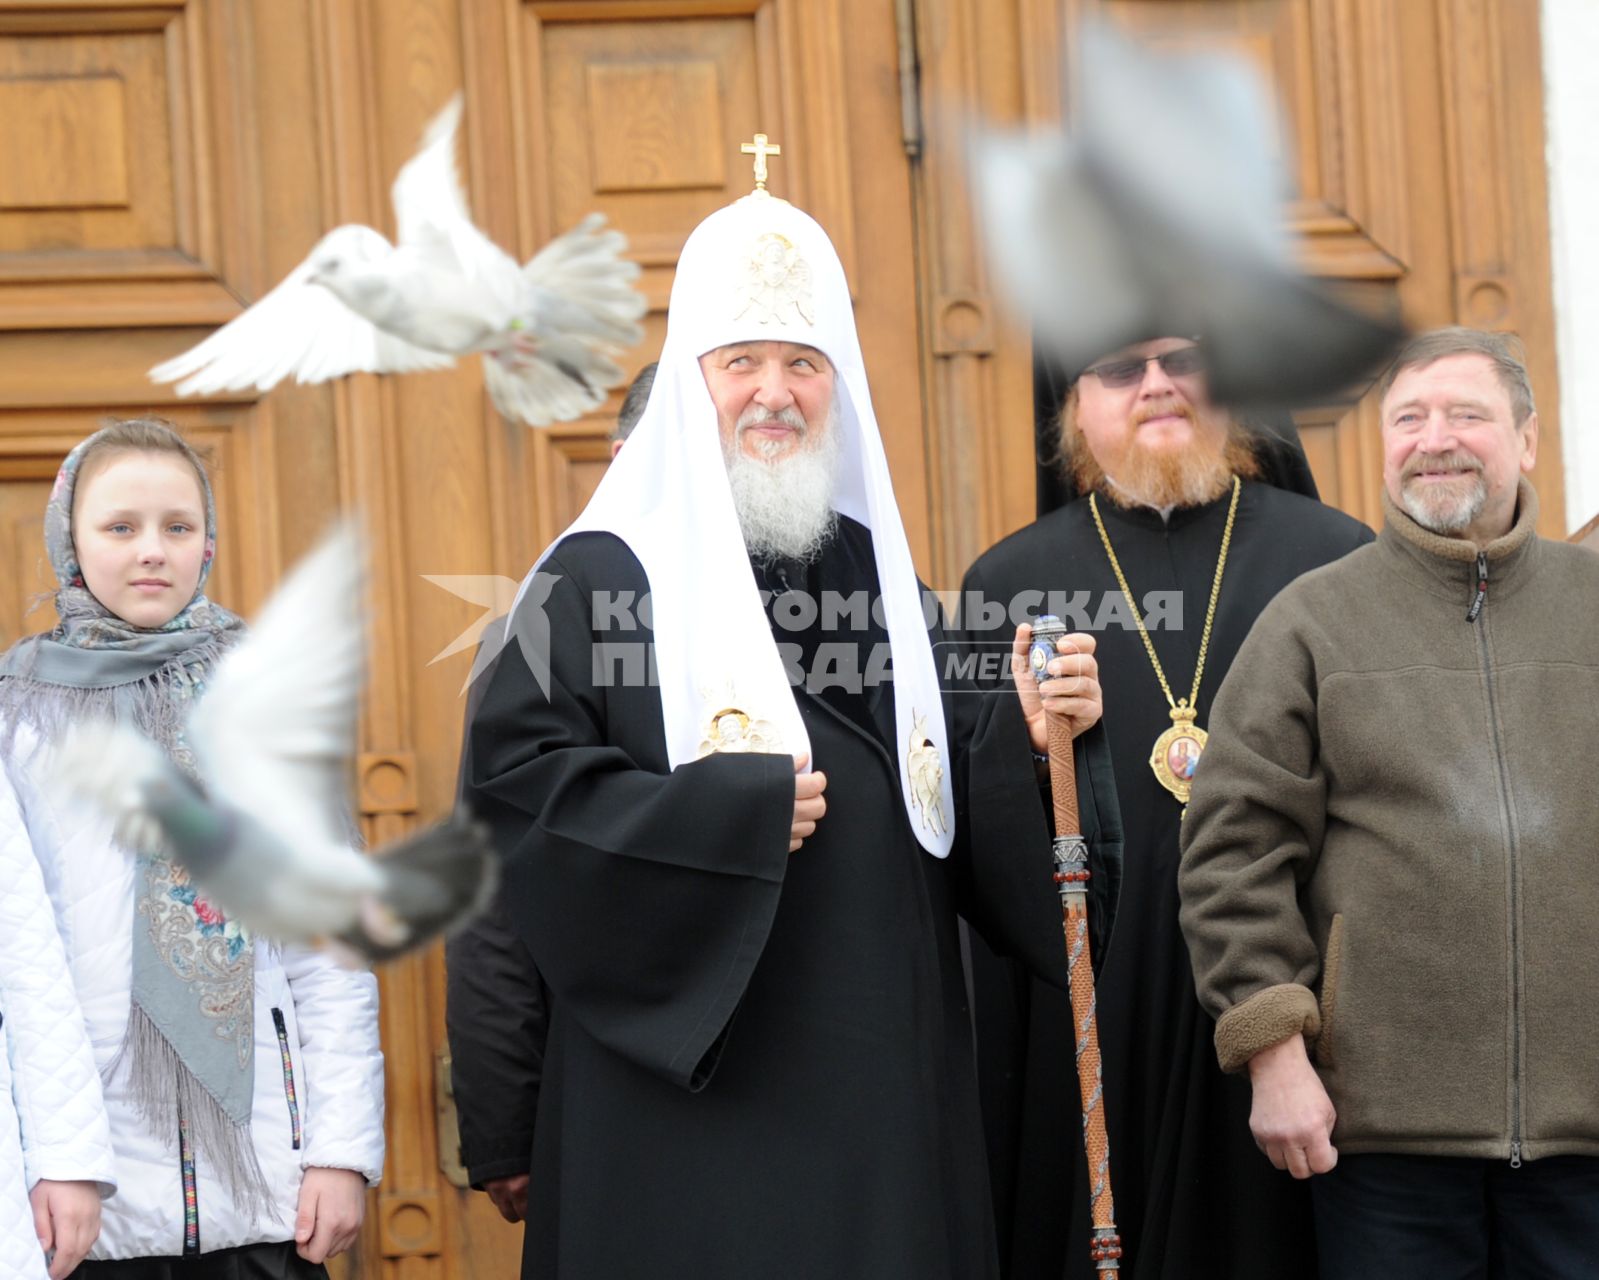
(1179, 525)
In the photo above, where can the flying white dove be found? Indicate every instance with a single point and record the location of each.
(264, 831)
(547, 331)
(1161, 215)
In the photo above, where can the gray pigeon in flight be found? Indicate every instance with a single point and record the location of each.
(263, 829)
(547, 331)
(1160, 215)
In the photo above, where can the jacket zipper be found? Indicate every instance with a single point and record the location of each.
(1481, 598)
(1474, 617)
(289, 1094)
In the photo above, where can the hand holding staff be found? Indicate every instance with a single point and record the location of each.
(1071, 880)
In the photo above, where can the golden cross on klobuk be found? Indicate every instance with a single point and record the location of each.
(760, 149)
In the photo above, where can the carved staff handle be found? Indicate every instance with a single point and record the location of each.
(1071, 882)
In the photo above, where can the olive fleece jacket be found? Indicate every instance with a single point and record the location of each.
(1393, 844)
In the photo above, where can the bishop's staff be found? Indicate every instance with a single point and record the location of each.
(1071, 881)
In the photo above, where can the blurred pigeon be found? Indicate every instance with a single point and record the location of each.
(1160, 216)
(547, 331)
(264, 830)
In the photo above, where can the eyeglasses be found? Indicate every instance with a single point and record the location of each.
(1129, 371)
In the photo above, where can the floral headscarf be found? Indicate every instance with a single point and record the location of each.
(96, 663)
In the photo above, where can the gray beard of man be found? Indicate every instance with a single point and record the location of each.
(785, 504)
(1444, 508)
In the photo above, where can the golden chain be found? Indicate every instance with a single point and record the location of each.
(1210, 614)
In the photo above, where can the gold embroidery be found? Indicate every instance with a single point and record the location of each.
(776, 278)
(731, 729)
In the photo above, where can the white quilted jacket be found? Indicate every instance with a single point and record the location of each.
(52, 1117)
(316, 1024)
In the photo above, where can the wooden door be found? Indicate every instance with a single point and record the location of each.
(164, 162)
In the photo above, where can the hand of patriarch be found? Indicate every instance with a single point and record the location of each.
(808, 803)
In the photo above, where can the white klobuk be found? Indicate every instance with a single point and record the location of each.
(760, 270)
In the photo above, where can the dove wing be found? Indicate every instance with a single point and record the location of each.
(276, 730)
(1089, 235)
(110, 765)
(298, 330)
(432, 218)
(1261, 322)
(1057, 246)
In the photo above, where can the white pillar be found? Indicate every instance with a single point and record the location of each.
(1571, 95)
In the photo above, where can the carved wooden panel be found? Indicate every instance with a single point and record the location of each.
(76, 107)
(568, 464)
(647, 114)
(108, 200)
(25, 574)
(978, 361)
(638, 111)
(66, 142)
(658, 125)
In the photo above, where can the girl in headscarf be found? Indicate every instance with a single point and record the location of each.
(204, 1038)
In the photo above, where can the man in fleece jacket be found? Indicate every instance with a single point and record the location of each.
(1387, 877)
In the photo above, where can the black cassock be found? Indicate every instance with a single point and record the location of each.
(758, 1064)
(1194, 1197)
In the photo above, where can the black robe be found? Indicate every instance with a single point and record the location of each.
(757, 1064)
(1194, 1197)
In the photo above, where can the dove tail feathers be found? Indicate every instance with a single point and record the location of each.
(585, 310)
(434, 883)
(585, 268)
(541, 392)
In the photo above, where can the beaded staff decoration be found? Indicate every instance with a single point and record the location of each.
(1071, 882)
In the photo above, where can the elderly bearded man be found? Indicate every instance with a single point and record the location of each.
(759, 1051)
(1388, 868)
(1172, 512)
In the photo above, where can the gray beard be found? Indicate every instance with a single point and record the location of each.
(785, 506)
(1440, 511)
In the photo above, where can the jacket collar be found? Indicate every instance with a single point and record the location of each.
(1446, 563)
